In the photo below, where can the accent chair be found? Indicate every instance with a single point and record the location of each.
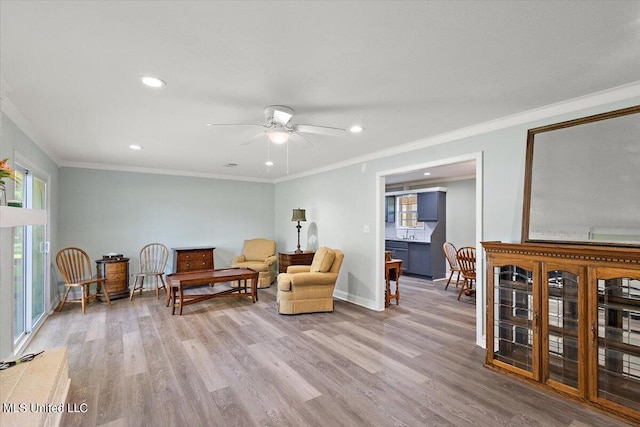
(309, 288)
(259, 255)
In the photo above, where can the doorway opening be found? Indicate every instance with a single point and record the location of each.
(461, 178)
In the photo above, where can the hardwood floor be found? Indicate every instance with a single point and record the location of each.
(228, 362)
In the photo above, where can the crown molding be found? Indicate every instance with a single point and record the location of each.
(100, 166)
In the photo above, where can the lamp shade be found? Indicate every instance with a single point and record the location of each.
(298, 215)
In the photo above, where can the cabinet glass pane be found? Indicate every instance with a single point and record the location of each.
(619, 341)
(563, 327)
(513, 314)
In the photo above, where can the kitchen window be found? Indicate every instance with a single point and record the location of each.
(408, 211)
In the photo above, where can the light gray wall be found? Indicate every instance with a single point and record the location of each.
(14, 142)
(108, 211)
(461, 212)
(461, 209)
(337, 205)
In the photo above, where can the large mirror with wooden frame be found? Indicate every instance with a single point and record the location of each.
(582, 181)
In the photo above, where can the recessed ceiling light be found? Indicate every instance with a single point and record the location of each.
(135, 147)
(356, 129)
(426, 173)
(152, 82)
(268, 163)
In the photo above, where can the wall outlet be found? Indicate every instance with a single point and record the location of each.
(365, 228)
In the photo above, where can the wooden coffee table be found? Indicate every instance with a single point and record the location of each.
(177, 282)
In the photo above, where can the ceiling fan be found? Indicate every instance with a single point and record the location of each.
(278, 125)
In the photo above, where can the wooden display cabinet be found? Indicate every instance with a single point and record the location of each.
(567, 316)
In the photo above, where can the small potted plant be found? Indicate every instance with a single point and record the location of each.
(5, 172)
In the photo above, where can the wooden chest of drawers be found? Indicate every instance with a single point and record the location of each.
(285, 259)
(193, 258)
(116, 271)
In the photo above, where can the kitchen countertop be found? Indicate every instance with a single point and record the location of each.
(407, 240)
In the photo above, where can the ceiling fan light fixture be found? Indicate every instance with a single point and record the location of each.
(278, 136)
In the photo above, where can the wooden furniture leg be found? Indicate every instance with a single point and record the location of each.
(66, 294)
(135, 284)
(85, 296)
(449, 281)
(181, 291)
(387, 291)
(462, 288)
(164, 286)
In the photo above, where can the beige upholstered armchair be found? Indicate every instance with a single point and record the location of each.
(309, 289)
(259, 255)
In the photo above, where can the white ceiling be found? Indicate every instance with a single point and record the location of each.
(439, 173)
(404, 70)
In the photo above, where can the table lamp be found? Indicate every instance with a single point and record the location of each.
(298, 215)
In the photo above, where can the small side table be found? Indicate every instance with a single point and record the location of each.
(116, 271)
(392, 271)
(285, 259)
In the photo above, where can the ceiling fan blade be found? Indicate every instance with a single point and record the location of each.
(305, 142)
(234, 124)
(252, 139)
(322, 130)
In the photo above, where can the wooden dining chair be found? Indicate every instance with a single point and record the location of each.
(450, 255)
(75, 268)
(153, 260)
(466, 257)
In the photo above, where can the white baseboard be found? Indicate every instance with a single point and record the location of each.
(354, 299)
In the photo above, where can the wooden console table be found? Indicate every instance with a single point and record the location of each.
(285, 259)
(179, 281)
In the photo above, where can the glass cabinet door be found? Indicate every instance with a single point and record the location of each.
(615, 339)
(515, 319)
(562, 313)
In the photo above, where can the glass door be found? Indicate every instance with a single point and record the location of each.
(615, 338)
(30, 248)
(515, 340)
(563, 315)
